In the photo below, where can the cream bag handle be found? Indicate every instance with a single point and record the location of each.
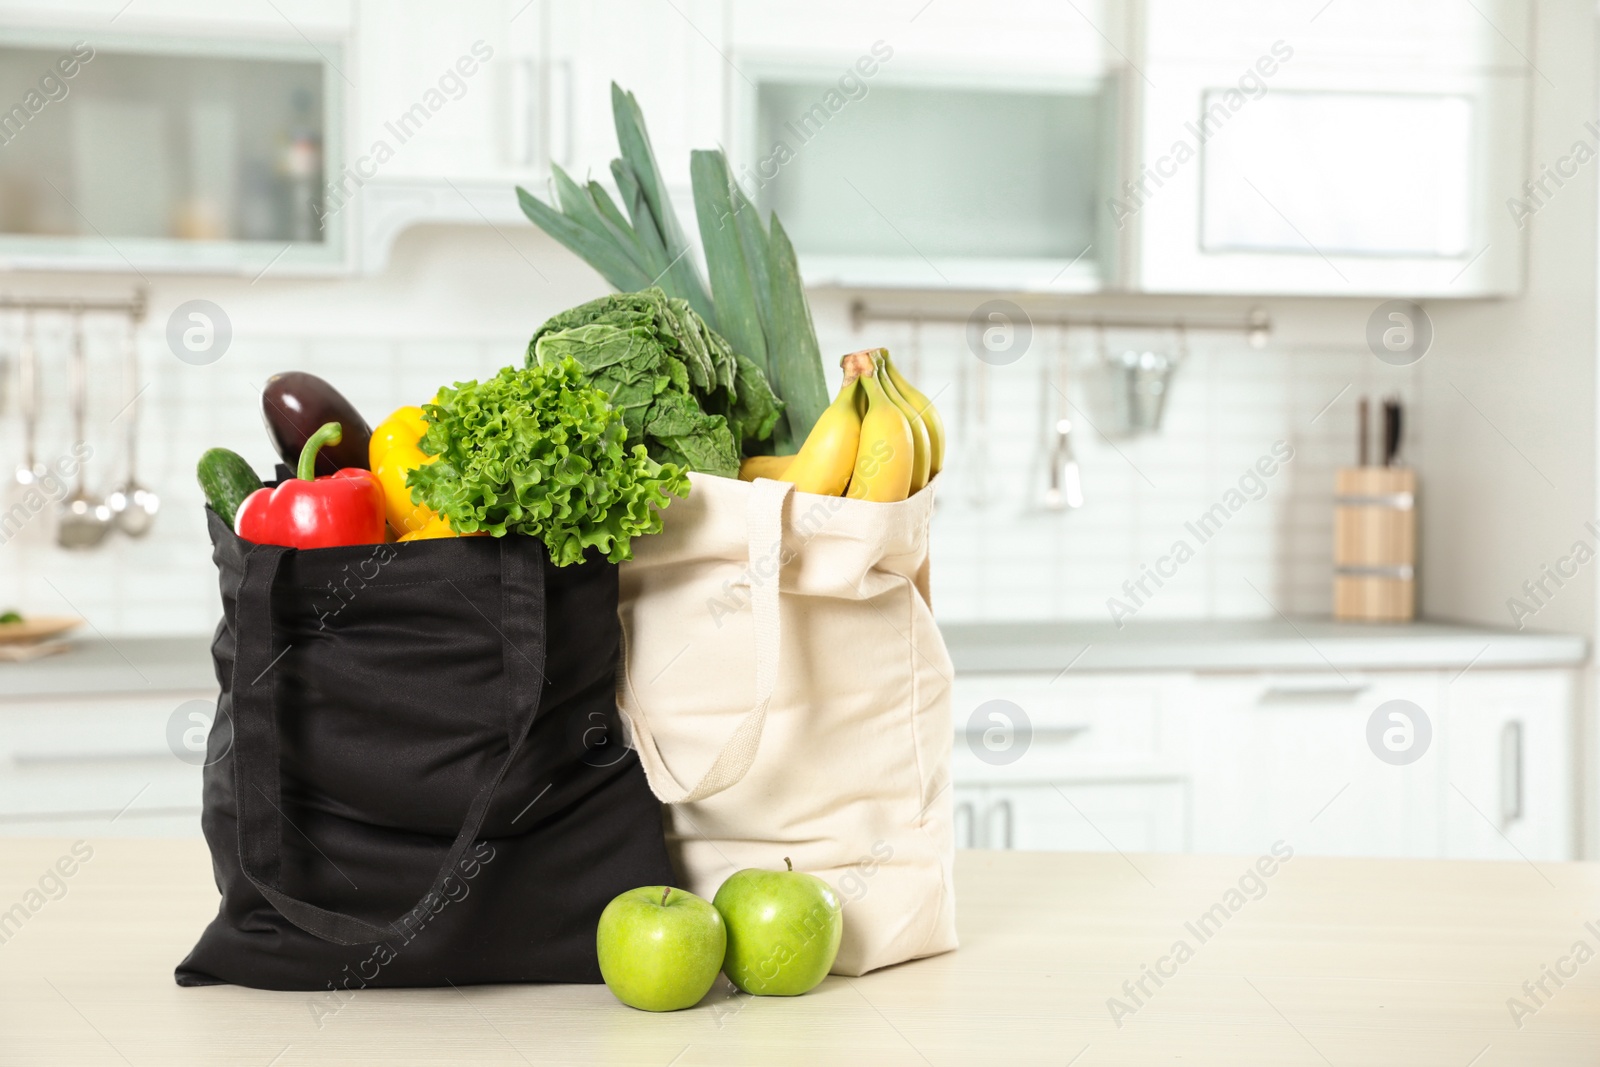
(764, 524)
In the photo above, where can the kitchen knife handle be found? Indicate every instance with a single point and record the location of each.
(1362, 454)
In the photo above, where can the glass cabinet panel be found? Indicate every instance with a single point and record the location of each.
(165, 154)
(954, 174)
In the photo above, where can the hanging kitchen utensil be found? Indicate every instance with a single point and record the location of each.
(1071, 479)
(1066, 489)
(1063, 483)
(132, 505)
(85, 519)
(27, 472)
(1146, 379)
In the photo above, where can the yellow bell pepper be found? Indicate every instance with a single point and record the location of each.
(438, 526)
(395, 451)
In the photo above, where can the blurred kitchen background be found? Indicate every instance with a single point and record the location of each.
(1149, 257)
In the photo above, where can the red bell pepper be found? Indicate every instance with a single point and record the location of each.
(343, 508)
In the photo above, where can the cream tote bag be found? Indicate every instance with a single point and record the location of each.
(789, 696)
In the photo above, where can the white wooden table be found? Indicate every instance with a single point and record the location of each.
(1338, 962)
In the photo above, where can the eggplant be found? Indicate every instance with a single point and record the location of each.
(294, 405)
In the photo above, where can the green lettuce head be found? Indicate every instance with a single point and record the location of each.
(541, 452)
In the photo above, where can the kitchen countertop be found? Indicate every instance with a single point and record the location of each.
(1248, 645)
(1339, 961)
(119, 665)
(146, 664)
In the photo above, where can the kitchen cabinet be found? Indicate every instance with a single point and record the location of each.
(1166, 147)
(96, 765)
(455, 113)
(1286, 757)
(699, 69)
(1076, 762)
(1035, 728)
(432, 115)
(1029, 37)
(444, 94)
(318, 19)
(1161, 147)
(992, 132)
(1373, 150)
(1084, 817)
(152, 151)
(542, 97)
(1232, 761)
(672, 57)
(513, 86)
(1510, 759)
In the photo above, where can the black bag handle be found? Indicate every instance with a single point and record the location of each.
(256, 753)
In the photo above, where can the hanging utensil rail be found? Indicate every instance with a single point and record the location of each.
(134, 306)
(1257, 325)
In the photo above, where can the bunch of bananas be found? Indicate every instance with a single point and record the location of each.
(880, 439)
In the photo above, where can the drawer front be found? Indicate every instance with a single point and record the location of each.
(158, 823)
(1051, 727)
(1290, 757)
(1067, 817)
(110, 761)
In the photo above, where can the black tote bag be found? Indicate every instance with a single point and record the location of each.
(416, 775)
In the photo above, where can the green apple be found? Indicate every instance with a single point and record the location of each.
(783, 930)
(660, 948)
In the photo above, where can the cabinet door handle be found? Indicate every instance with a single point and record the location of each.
(964, 825)
(1510, 772)
(1002, 808)
(1283, 693)
(54, 759)
(522, 117)
(558, 111)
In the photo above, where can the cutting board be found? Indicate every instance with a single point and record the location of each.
(37, 628)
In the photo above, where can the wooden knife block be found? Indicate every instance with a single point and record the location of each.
(1375, 544)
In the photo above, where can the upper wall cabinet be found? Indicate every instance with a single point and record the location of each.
(1028, 37)
(1371, 149)
(1356, 147)
(444, 95)
(498, 90)
(953, 144)
(454, 111)
(465, 101)
(147, 151)
(671, 56)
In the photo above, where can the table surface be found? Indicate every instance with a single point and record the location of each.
(144, 665)
(1279, 644)
(1331, 962)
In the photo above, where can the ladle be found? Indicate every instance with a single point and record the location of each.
(85, 519)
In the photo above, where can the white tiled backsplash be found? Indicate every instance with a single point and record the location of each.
(999, 554)
(1004, 558)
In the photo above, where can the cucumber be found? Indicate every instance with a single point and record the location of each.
(227, 479)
